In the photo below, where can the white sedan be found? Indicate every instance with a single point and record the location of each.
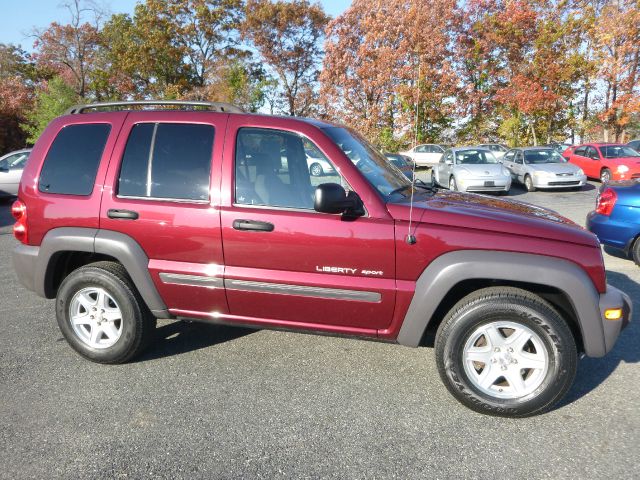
(426, 155)
(11, 166)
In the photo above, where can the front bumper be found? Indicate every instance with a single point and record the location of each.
(483, 184)
(559, 182)
(611, 329)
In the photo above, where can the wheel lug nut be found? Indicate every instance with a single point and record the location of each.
(514, 361)
(91, 317)
(496, 349)
(493, 360)
(510, 350)
(504, 367)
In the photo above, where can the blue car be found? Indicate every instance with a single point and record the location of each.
(616, 219)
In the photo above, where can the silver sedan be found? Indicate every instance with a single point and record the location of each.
(11, 166)
(471, 169)
(543, 167)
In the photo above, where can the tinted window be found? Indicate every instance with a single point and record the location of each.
(73, 159)
(509, 155)
(546, 155)
(279, 169)
(474, 157)
(580, 151)
(167, 160)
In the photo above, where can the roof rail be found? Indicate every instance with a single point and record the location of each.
(212, 106)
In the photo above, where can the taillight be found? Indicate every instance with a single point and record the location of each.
(606, 201)
(19, 212)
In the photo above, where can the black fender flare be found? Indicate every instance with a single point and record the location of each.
(452, 268)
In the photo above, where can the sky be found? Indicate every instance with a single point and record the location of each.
(20, 17)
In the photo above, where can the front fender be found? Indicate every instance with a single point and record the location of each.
(450, 269)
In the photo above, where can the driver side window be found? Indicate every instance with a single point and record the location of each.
(520, 158)
(509, 155)
(279, 169)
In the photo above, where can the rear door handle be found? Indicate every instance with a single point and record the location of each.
(122, 214)
(253, 225)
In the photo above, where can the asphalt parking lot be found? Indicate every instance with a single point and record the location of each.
(217, 402)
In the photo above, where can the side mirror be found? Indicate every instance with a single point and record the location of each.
(332, 198)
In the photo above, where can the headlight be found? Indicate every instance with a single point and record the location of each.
(623, 169)
(542, 173)
(580, 172)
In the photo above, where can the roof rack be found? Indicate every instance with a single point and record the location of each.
(211, 106)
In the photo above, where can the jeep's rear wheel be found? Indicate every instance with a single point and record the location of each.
(101, 314)
(504, 351)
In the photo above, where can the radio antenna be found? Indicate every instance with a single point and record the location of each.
(411, 238)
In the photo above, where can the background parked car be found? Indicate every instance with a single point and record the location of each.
(559, 147)
(542, 167)
(11, 166)
(404, 163)
(616, 219)
(495, 148)
(317, 164)
(606, 161)
(426, 155)
(471, 169)
(635, 144)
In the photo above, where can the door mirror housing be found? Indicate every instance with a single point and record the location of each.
(333, 198)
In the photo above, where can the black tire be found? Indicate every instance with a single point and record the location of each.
(635, 251)
(316, 170)
(528, 183)
(433, 178)
(138, 324)
(453, 186)
(495, 304)
(605, 175)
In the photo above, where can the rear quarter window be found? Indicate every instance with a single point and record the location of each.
(72, 162)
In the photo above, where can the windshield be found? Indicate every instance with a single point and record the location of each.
(618, 151)
(397, 160)
(535, 157)
(380, 173)
(475, 157)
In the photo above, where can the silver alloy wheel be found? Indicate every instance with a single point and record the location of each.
(605, 176)
(95, 317)
(316, 170)
(505, 359)
(528, 183)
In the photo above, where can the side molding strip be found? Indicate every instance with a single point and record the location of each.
(191, 280)
(301, 290)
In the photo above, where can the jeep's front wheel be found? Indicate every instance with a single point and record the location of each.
(504, 351)
(101, 314)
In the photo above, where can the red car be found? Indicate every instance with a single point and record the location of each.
(127, 216)
(606, 161)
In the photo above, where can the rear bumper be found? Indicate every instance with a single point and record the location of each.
(611, 232)
(611, 329)
(25, 264)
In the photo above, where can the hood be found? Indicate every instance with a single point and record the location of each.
(481, 212)
(482, 169)
(554, 167)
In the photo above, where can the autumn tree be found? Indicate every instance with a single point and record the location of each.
(16, 93)
(52, 99)
(287, 35)
(382, 58)
(70, 50)
(617, 34)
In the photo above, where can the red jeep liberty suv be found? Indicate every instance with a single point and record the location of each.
(199, 211)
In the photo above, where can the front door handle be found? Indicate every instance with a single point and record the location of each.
(122, 214)
(253, 225)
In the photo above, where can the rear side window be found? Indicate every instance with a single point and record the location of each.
(167, 160)
(72, 162)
